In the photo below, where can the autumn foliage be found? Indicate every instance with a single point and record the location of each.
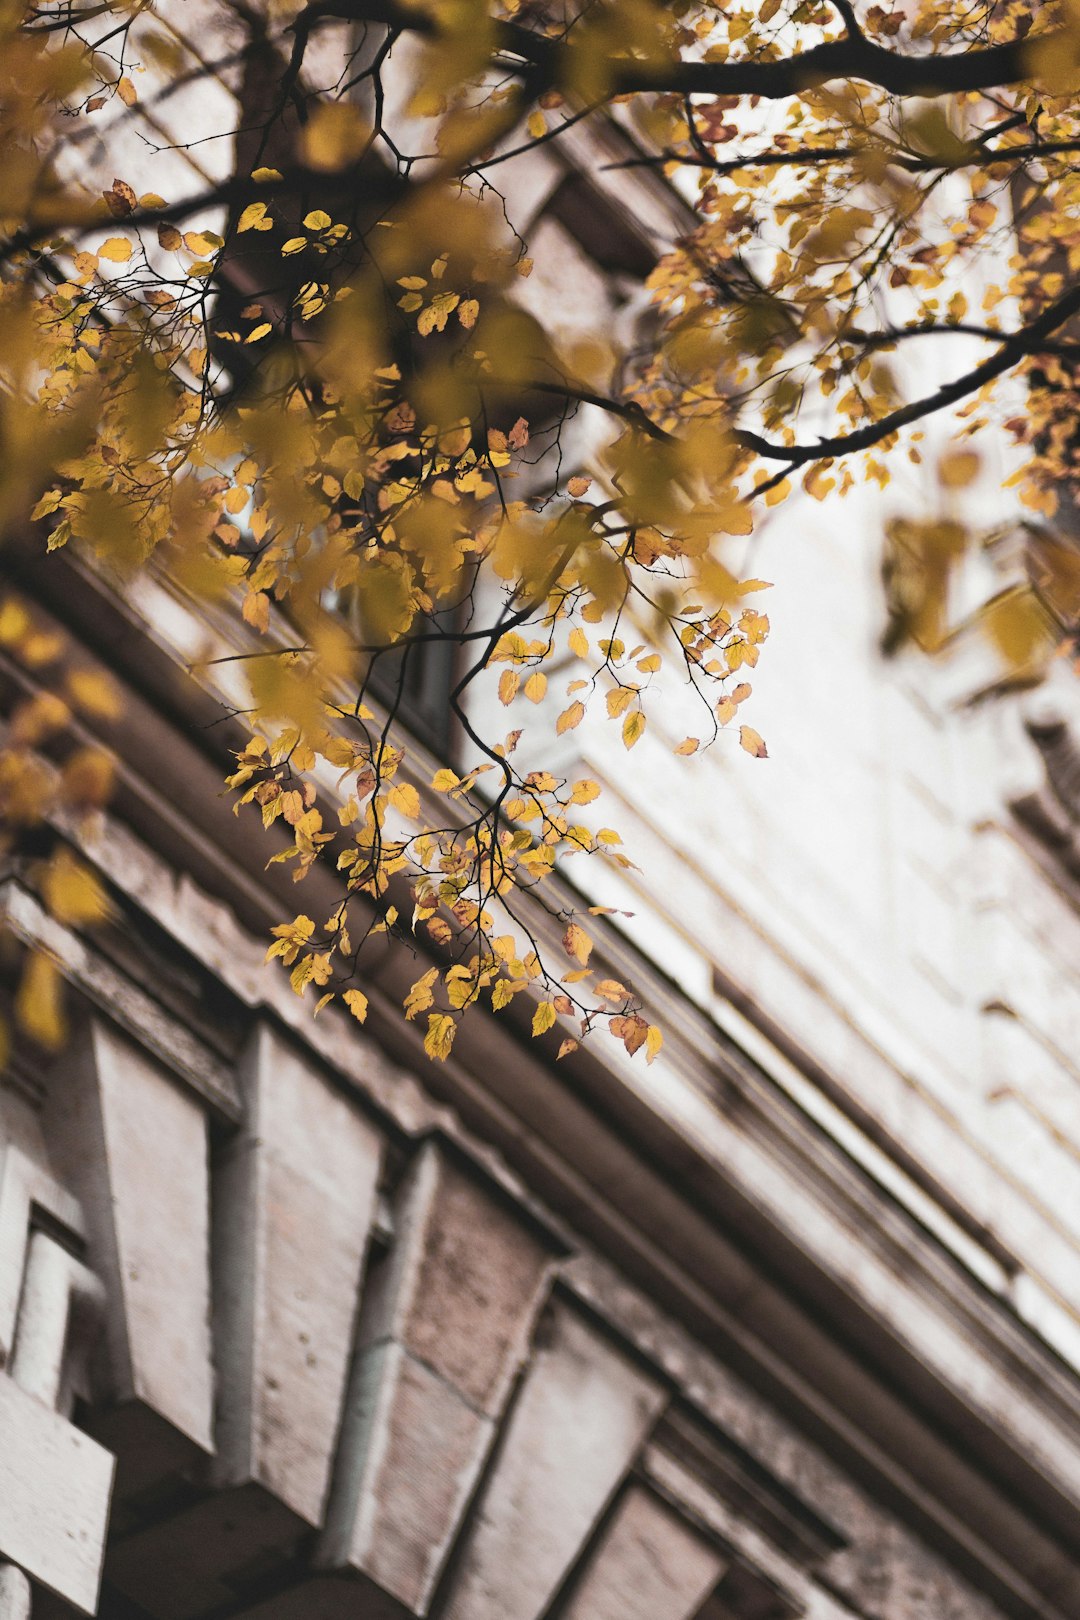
(299, 381)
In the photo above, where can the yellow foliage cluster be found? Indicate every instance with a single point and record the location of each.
(312, 396)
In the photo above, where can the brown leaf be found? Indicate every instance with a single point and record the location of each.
(635, 1033)
(121, 199)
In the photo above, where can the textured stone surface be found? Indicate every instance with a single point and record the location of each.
(54, 1497)
(295, 1196)
(26, 1179)
(648, 1564)
(443, 1331)
(576, 1427)
(133, 1144)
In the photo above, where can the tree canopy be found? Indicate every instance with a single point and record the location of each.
(297, 375)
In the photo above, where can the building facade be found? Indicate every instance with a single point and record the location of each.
(787, 1324)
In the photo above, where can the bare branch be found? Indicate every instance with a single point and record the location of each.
(800, 157)
(1016, 347)
(853, 57)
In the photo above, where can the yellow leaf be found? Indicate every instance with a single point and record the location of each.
(404, 797)
(87, 778)
(95, 693)
(335, 135)
(1019, 627)
(357, 1003)
(753, 742)
(71, 892)
(958, 469)
(258, 332)
(817, 483)
(576, 942)
(317, 220)
(568, 1046)
(261, 177)
(253, 218)
(544, 1017)
(535, 686)
(14, 621)
(537, 124)
(445, 781)
(440, 1036)
(578, 642)
(117, 248)
(689, 745)
(38, 1011)
(468, 311)
(570, 718)
(421, 996)
(509, 682)
(127, 92)
(619, 700)
(633, 728)
(654, 1040)
(435, 316)
(584, 792)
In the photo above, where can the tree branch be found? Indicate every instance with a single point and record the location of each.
(849, 58)
(1016, 347)
(808, 156)
(853, 57)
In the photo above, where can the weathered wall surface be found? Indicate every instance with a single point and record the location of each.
(432, 1397)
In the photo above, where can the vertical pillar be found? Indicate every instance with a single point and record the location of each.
(14, 1593)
